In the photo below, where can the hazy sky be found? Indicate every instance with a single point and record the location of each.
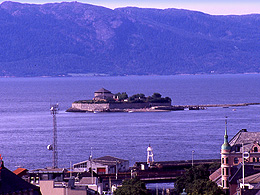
(207, 6)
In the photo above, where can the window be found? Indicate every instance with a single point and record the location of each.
(226, 160)
(256, 167)
(223, 161)
(237, 148)
(255, 149)
(226, 183)
(101, 170)
(223, 183)
(226, 170)
(32, 179)
(235, 160)
(253, 159)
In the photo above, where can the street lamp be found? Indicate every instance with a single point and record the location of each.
(245, 155)
(192, 153)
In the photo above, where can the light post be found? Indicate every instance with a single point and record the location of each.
(192, 153)
(245, 155)
(243, 166)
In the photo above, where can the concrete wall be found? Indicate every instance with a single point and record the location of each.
(160, 104)
(107, 106)
(128, 105)
(75, 192)
(90, 107)
(47, 188)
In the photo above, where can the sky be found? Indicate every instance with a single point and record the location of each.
(214, 7)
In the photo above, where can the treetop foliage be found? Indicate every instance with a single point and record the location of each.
(196, 182)
(132, 187)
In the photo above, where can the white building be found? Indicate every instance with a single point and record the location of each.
(103, 165)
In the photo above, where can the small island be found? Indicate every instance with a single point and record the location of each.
(105, 101)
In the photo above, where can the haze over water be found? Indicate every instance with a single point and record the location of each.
(26, 122)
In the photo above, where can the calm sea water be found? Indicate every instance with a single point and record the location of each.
(26, 122)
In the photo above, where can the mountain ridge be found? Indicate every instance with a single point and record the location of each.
(70, 37)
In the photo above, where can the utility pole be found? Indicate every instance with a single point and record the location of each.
(90, 158)
(192, 158)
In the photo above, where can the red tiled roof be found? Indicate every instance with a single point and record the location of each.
(20, 171)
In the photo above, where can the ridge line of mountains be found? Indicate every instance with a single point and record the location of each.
(73, 38)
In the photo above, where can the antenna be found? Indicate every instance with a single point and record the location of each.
(54, 109)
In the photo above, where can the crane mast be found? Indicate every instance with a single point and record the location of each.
(54, 109)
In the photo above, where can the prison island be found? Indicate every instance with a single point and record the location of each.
(105, 101)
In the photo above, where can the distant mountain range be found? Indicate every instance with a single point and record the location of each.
(75, 38)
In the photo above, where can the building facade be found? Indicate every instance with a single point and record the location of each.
(102, 94)
(103, 165)
(244, 145)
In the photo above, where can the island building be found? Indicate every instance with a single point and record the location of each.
(104, 101)
(234, 175)
(103, 94)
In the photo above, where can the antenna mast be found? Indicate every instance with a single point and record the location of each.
(54, 109)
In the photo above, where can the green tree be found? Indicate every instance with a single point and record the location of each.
(196, 182)
(156, 96)
(140, 97)
(132, 187)
(167, 99)
(121, 96)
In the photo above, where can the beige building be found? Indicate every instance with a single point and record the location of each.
(102, 94)
(61, 182)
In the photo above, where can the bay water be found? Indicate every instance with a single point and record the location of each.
(26, 126)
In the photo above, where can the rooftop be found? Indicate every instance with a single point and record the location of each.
(102, 90)
(109, 159)
(11, 183)
(248, 139)
(49, 170)
(19, 171)
(252, 179)
(105, 160)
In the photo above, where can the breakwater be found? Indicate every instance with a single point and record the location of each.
(138, 108)
(204, 106)
(222, 105)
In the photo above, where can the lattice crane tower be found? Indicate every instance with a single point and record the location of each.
(54, 109)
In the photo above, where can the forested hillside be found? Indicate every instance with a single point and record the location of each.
(61, 38)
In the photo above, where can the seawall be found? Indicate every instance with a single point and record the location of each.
(144, 107)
